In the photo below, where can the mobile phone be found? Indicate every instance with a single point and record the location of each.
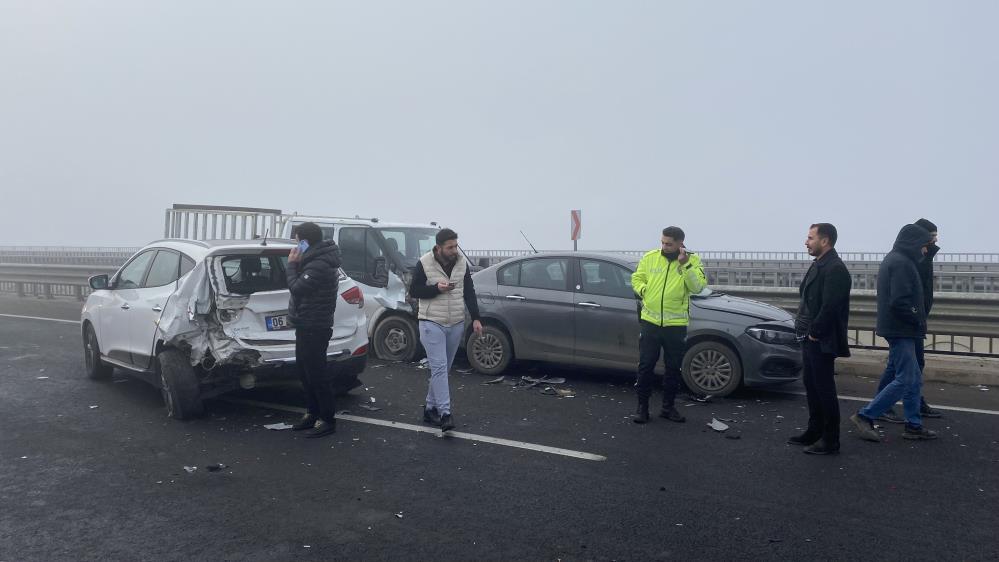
(303, 246)
(452, 285)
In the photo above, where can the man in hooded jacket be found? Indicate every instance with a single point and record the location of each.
(926, 276)
(901, 321)
(313, 279)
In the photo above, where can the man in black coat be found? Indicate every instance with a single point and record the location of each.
(821, 327)
(901, 321)
(313, 278)
(926, 276)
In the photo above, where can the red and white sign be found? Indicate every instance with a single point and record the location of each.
(576, 231)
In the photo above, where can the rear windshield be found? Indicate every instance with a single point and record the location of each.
(245, 275)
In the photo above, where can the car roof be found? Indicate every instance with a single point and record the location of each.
(201, 248)
(374, 223)
(619, 257)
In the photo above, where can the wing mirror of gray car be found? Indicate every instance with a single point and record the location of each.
(380, 274)
(99, 282)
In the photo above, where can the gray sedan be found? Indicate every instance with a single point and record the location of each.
(579, 308)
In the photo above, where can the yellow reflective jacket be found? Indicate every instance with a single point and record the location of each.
(665, 287)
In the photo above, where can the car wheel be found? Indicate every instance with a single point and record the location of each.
(490, 353)
(96, 369)
(395, 339)
(179, 385)
(713, 368)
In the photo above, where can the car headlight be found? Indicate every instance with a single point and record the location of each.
(772, 336)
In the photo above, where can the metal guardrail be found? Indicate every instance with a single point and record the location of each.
(959, 324)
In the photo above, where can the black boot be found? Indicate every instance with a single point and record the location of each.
(670, 413)
(823, 447)
(308, 421)
(642, 414)
(447, 422)
(807, 438)
(322, 429)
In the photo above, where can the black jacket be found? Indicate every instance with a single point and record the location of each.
(313, 284)
(825, 292)
(926, 276)
(901, 308)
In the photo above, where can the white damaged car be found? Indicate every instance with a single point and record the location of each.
(200, 318)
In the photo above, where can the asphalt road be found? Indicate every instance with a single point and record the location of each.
(94, 471)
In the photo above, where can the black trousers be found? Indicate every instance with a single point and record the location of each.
(671, 341)
(820, 388)
(310, 359)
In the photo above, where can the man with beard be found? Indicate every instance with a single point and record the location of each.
(926, 276)
(313, 277)
(901, 321)
(820, 326)
(664, 280)
(442, 281)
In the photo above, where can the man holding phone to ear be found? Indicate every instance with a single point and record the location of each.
(664, 280)
(442, 281)
(313, 278)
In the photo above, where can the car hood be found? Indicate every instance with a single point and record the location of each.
(741, 306)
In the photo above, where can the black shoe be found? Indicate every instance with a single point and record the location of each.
(431, 416)
(447, 422)
(891, 417)
(927, 412)
(308, 421)
(822, 447)
(672, 415)
(918, 433)
(322, 429)
(641, 414)
(805, 439)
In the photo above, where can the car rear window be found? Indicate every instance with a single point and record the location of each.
(245, 275)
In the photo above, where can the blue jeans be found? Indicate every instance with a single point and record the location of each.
(906, 383)
(889, 374)
(441, 343)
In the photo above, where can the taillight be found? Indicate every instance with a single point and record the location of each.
(354, 295)
(360, 351)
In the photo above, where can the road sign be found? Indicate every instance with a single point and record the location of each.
(577, 225)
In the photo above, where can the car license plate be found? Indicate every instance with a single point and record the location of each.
(278, 323)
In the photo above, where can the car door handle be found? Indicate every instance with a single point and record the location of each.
(516, 298)
(157, 308)
(125, 306)
(589, 304)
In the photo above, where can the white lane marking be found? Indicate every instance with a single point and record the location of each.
(936, 406)
(425, 429)
(39, 318)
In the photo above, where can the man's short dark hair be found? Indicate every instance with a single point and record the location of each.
(826, 230)
(674, 232)
(309, 231)
(445, 234)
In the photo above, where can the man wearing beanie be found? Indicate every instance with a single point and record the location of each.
(925, 268)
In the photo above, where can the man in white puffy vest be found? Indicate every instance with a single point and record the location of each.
(442, 281)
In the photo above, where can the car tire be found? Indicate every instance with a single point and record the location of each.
(179, 385)
(491, 353)
(712, 368)
(396, 339)
(97, 369)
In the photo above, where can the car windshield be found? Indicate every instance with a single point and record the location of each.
(409, 243)
(248, 274)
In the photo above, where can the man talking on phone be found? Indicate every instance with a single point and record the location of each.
(664, 280)
(442, 281)
(313, 278)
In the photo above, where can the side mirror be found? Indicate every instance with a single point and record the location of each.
(380, 275)
(99, 282)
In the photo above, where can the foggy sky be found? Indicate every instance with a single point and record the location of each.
(742, 122)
